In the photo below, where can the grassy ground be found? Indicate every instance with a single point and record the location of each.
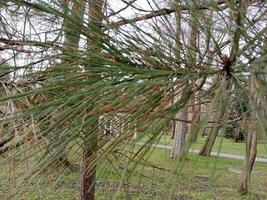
(198, 178)
(228, 146)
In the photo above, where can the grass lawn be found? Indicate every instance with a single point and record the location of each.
(197, 178)
(228, 146)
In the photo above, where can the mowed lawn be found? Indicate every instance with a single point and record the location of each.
(221, 145)
(157, 177)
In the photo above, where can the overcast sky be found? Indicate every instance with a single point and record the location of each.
(33, 29)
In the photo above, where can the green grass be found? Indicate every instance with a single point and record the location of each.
(199, 178)
(228, 146)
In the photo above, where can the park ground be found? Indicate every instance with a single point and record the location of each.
(158, 177)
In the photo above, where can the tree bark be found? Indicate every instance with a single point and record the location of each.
(71, 45)
(251, 139)
(251, 152)
(88, 169)
(89, 159)
(251, 143)
(72, 25)
(179, 128)
(196, 108)
(180, 136)
(211, 138)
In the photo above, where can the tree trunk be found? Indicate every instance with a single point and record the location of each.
(179, 129)
(72, 28)
(251, 152)
(196, 102)
(88, 169)
(72, 31)
(173, 129)
(195, 116)
(251, 143)
(89, 159)
(228, 63)
(173, 122)
(180, 136)
(211, 138)
(193, 47)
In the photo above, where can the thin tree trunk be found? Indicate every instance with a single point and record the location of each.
(196, 112)
(72, 25)
(72, 31)
(89, 159)
(251, 152)
(211, 138)
(196, 109)
(173, 129)
(179, 128)
(88, 169)
(173, 124)
(251, 142)
(228, 62)
(180, 136)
